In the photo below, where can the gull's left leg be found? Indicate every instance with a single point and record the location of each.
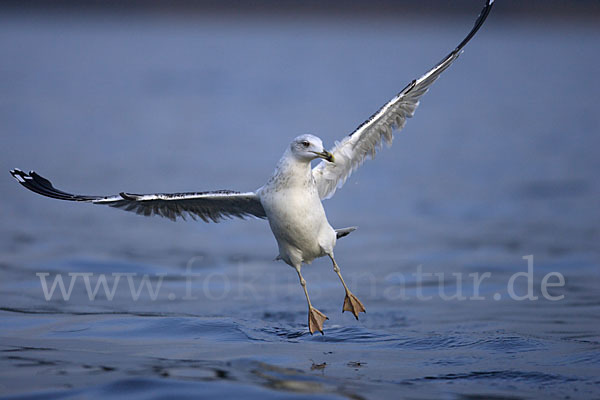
(351, 303)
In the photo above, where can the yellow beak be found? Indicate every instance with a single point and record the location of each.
(325, 155)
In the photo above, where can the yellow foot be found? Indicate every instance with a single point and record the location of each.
(351, 303)
(315, 320)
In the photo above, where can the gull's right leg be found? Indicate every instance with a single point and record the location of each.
(315, 317)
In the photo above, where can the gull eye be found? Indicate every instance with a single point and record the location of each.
(305, 143)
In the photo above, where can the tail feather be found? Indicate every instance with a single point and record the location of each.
(344, 231)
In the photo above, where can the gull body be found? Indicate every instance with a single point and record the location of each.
(297, 218)
(291, 198)
(293, 206)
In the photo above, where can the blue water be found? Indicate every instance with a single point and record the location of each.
(499, 163)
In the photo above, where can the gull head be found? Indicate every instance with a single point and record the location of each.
(308, 147)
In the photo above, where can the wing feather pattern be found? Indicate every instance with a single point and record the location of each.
(354, 149)
(208, 206)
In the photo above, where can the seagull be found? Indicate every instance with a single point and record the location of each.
(291, 200)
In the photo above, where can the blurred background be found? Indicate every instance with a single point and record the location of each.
(561, 8)
(499, 162)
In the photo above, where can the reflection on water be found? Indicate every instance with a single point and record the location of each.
(499, 162)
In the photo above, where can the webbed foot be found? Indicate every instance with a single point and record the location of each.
(353, 304)
(315, 320)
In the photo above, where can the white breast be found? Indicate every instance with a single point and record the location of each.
(297, 219)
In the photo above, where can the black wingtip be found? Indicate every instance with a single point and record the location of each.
(40, 185)
(478, 23)
(18, 175)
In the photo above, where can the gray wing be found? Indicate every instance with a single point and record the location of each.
(353, 150)
(208, 206)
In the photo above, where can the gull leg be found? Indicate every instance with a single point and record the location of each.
(315, 317)
(351, 302)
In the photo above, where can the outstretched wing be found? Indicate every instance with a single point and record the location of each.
(352, 151)
(208, 206)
